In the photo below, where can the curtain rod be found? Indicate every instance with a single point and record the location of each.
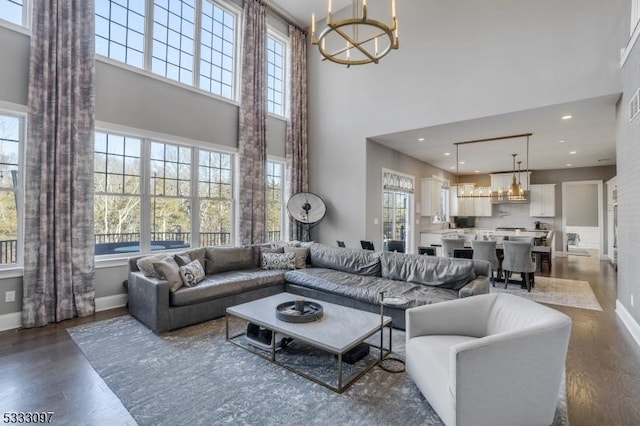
(523, 135)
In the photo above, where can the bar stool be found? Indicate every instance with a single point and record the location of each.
(545, 256)
(449, 244)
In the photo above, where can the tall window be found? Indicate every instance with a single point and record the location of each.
(10, 135)
(173, 44)
(127, 217)
(117, 193)
(275, 186)
(12, 11)
(120, 30)
(170, 190)
(217, 50)
(275, 76)
(215, 190)
(635, 14)
(395, 216)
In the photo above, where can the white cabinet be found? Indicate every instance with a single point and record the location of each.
(482, 204)
(542, 200)
(453, 201)
(431, 203)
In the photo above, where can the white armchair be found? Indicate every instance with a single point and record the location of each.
(493, 359)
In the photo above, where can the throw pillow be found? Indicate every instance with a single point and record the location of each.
(192, 273)
(169, 270)
(145, 265)
(182, 259)
(278, 261)
(301, 254)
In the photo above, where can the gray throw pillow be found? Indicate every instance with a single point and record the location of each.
(169, 270)
(223, 259)
(197, 254)
(192, 273)
(145, 265)
(278, 261)
(301, 254)
(182, 259)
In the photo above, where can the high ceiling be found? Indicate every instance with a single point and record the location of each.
(585, 140)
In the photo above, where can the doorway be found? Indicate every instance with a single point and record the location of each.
(395, 214)
(582, 218)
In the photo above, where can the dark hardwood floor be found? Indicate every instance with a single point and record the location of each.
(43, 370)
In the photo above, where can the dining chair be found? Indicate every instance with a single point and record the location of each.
(340, 243)
(486, 250)
(449, 244)
(396, 245)
(547, 243)
(517, 258)
(463, 253)
(429, 251)
(366, 245)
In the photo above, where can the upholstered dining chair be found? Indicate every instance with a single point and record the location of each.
(517, 258)
(396, 245)
(486, 250)
(340, 243)
(546, 249)
(449, 244)
(429, 251)
(366, 245)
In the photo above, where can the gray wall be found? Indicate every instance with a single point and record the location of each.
(379, 157)
(582, 205)
(457, 61)
(137, 100)
(628, 158)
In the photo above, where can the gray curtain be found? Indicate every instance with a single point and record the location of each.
(253, 125)
(58, 278)
(296, 143)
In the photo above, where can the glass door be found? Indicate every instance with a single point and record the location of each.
(395, 225)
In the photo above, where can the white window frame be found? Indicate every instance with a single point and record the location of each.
(9, 270)
(286, 59)
(145, 44)
(195, 146)
(25, 25)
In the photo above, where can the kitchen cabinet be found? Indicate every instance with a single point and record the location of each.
(482, 204)
(542, 200)
(431, 202)
(453, 201)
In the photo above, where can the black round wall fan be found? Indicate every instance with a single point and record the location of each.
(306, 208)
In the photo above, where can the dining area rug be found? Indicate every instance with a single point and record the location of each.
(194, 376)
(555, 291)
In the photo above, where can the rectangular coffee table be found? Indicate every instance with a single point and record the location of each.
(339, 330)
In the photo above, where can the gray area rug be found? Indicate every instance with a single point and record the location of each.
(194, 376)
(555, 291)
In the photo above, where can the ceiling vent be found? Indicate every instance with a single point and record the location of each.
(634, 105)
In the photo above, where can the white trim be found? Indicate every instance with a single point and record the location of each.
(10, 321)
(11, 108)
(14, 320)
(626, 51)
(629, 322)
(15, 27)
(104, 261)
(11, 271)
(111, 302)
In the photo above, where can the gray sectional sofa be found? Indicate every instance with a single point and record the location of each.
(350, 277)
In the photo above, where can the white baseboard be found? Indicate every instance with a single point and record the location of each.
(629, 322)
(111, 302)
(10, 321)
(14, 319)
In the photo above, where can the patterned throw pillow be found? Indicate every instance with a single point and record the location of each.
(278, 261)
(192, 273)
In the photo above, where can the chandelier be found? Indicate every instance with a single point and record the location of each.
(512, 192)
(356, 40)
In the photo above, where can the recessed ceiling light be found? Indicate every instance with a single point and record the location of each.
(462, 162)
(572, 152)
(567, 117)
(446, 154)
(477, 171)
(420, 139)
(561, 141)
(568, 164)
